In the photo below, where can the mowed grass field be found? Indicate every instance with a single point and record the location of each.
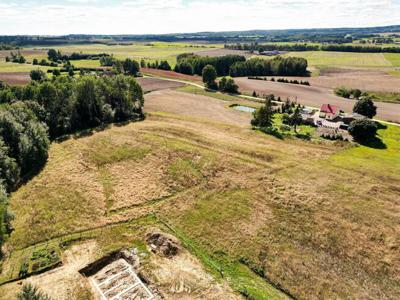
(151, 51)
(323, 59)
(319, 220)
(394, 58)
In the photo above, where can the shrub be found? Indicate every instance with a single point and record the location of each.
(365, 107)
(37, 75)
(228, 85)
(30, 292)
(363, 130)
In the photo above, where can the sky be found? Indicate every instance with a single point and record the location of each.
(58, 17)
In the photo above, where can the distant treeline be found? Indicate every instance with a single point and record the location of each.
(237, 65)
(32, 115)
(306, 47)
(8, 47)
(318, 35)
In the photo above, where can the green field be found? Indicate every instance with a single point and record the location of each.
(394, 58)
(343, 59)
(8, 67)
(148, 51)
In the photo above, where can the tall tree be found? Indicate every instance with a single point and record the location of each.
(264, 116)
(365, 107)
(209, 75)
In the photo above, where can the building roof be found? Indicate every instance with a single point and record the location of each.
(330, 109)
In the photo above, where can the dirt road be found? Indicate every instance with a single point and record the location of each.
(313, 96)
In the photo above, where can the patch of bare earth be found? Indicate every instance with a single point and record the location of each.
(172, 75)
(149, 84)
(223, 52)
(178, 274)
(195, 106)
(15, 78)
(313, 96)
(65, 282)
(4, 53)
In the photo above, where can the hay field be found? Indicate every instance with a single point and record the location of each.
(304, 216)
(330, 59)
(394, 58)
(149, 51)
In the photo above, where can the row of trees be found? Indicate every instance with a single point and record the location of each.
(8, 47)
(307, 47)
(128, 66)
(162, 65)
(190, 63)
(16, 58)
(277, 66)
(32, 115)
(57, 56)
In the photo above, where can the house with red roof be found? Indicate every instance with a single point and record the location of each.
(329, 112)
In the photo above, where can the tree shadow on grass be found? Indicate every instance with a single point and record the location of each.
(375, 143)
(306, 137)
(381, 126)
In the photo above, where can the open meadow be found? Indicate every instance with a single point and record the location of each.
(266, 218)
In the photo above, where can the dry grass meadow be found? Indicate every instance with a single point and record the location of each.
(313, 219)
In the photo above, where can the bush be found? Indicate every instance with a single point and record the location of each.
(37, 75)
(228, 85)
(29, 292)
(363, 130)
(365, 107)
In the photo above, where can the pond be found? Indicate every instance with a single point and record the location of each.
(244, 108)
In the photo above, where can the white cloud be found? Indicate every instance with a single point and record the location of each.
(160, 16)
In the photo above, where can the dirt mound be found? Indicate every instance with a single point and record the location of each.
(163, 244)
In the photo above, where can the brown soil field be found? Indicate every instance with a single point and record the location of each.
(313, 96)
(149, 84)
(4, 53)
(366, 80)
(171, 74)
(196, 106)
(222, 52)
(15, 78)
